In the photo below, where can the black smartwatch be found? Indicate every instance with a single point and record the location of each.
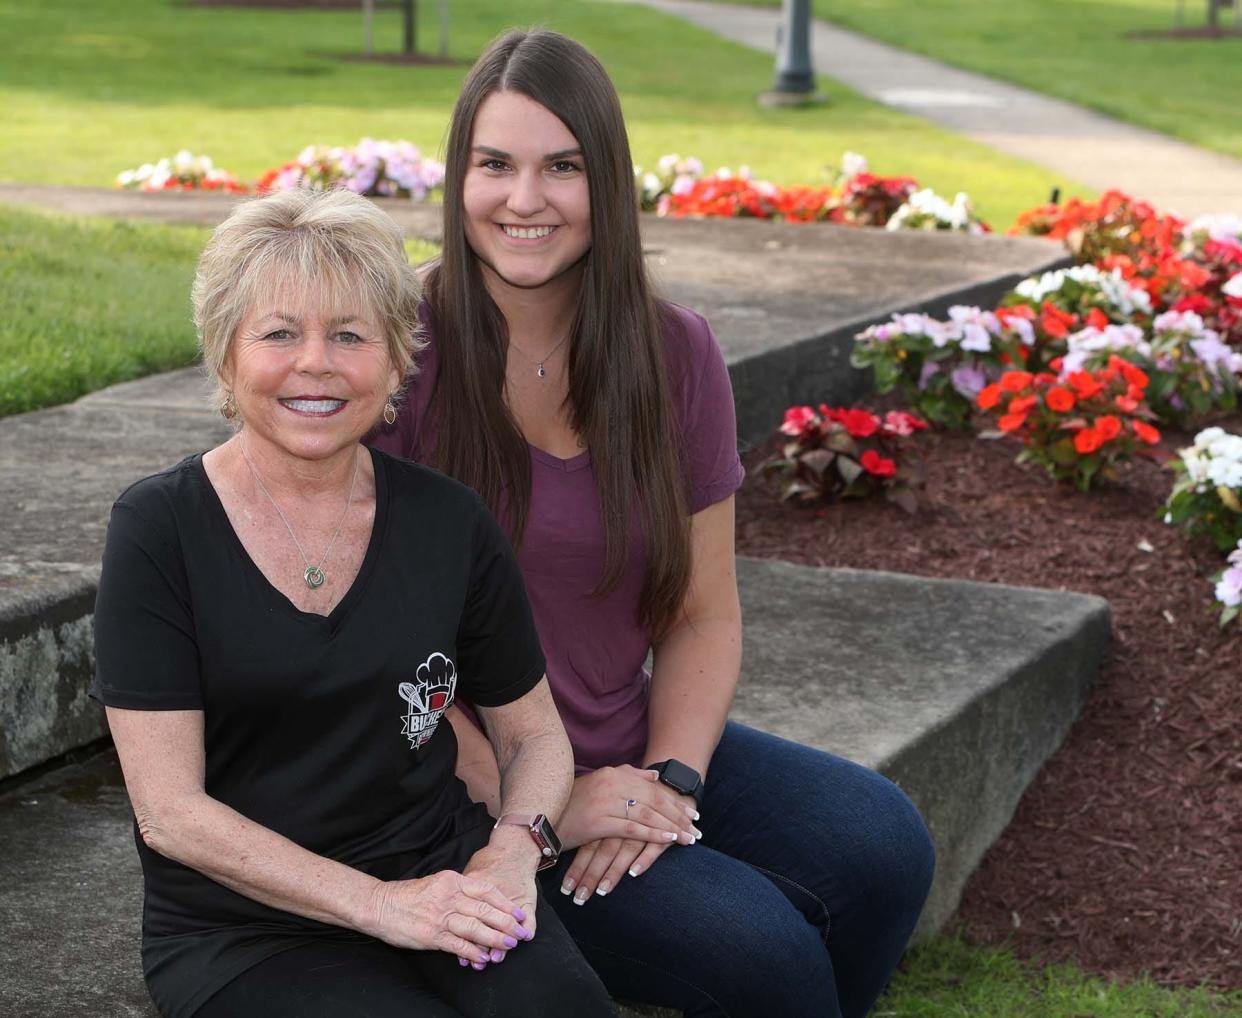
(680, 777)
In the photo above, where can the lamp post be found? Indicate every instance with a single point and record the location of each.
(795, 76)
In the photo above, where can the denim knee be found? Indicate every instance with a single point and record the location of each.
(780, 967)
(900, 854)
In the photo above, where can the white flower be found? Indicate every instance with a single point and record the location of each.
(1226, 226)
(1233, 288)
(667, 164)
(1229, 587)
(1207, 436)
(1216, 355)
(1228, 447)
(853, 164)
(1196, 466)
(1225, 473)
(1178, 321)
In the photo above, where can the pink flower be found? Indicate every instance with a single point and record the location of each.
(799, 419)
(902, 424)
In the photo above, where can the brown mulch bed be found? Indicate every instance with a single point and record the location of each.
(1125, 854)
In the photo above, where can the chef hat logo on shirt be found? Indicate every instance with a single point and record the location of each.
(427, 698)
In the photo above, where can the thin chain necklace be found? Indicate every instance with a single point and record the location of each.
(539, 368)
(314, 574)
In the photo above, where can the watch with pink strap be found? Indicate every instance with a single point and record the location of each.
(541, 833)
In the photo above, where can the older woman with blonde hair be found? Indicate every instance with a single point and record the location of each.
(282, 622)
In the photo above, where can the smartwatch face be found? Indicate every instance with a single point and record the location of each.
(680, 777)
(549, 838)
(545, 837)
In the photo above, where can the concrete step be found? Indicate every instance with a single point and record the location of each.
(957, 691)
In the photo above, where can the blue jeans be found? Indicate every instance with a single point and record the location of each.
(798, 901)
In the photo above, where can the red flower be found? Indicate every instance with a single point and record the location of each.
(1015, 381)
(859, 423)
(1087, 441)
(989, 396)
(1011, 422)
(1060, 399)
(1145, 432)
(1084, 384)
(1017, 311)
(1199, 303)
(1055, 322)
(1108, 428)
(1022, 404)
(1133, 375)
(1097, 319)
(880, 466)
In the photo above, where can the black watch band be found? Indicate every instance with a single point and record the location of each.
(679, 777)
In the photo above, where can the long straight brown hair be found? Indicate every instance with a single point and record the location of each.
(618, 394)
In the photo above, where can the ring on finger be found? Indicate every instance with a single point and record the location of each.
(629, 804)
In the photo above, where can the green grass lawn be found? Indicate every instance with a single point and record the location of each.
(947, 978)
(91, 302)
(90, 89)
(1078, 50)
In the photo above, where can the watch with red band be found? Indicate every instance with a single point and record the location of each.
(541, 833)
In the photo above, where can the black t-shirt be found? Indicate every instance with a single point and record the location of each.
(328, 729)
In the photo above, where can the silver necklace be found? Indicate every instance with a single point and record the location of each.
(314, 574)
(539, 368)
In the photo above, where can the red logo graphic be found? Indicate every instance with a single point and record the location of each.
(427, 699)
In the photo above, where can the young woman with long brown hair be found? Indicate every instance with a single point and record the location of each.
(717, 869)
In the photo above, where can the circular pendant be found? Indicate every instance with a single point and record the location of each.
(314, 577)
(541, 373)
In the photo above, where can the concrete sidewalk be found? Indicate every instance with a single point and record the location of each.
(1087, 146)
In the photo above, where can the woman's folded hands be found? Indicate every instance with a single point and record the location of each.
(622, 819)
(464, 914)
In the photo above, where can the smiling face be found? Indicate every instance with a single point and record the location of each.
(527, 206)
(309, 376)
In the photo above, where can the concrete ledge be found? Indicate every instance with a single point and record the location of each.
(957, 691)
(60, 470)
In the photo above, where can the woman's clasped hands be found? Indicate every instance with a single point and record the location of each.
(622, 819)
(464, 915)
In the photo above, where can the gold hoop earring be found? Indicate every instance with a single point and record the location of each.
(390, 412)
(228, 409)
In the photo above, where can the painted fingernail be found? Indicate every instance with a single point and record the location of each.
(510, 942)
(568, 886)
(478, 966)
(604, 887)
(524, 933)
(693, 814)
(462, 962)
(635, 870)
(497, 954)
(696, 832)
(519, 914)
(581, 896)
(670, 835)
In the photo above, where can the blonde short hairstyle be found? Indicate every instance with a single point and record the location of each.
(336, 241)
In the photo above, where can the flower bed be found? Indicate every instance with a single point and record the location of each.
(395, 169)
(1122, 855)
(679, 189)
